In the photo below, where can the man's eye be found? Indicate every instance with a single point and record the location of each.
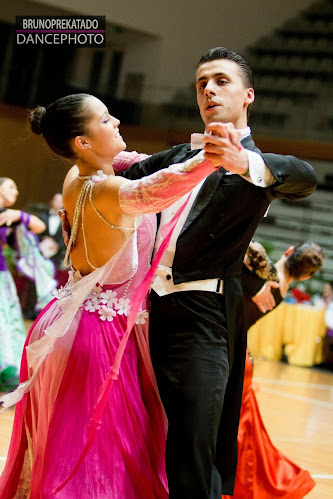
(222, 82)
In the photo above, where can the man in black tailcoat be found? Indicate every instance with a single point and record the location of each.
(197, 320)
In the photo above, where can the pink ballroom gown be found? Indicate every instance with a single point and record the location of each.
(86, 324)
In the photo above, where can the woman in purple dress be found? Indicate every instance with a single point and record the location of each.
(12, 330)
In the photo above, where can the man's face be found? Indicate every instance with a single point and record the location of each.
(221, 94)
(56, 202)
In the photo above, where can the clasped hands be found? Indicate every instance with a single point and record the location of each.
(223, 148)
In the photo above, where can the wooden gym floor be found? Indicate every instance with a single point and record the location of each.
(297, 408)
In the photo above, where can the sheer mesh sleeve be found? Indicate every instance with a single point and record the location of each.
(158, 191)
(125, 159)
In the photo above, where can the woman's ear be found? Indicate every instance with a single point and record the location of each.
(80, 143)
(289, 251)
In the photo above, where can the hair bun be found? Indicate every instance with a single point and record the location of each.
(36, 119)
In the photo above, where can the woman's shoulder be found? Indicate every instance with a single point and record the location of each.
(69, 186)
(70, 176)
(105, 190)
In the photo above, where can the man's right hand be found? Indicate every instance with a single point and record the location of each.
(222, 146)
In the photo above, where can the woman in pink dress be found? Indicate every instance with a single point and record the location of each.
(89, 421)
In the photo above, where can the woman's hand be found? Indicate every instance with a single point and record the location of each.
(264, 299)
(9, 216)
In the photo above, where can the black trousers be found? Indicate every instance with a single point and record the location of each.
(189, 349)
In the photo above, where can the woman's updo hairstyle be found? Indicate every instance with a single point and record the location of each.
(61, 121)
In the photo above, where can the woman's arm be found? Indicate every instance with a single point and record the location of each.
(160, 190)
(263, 277)
(35, 224)
(125, 159)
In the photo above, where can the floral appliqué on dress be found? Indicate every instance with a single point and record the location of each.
(105, 302)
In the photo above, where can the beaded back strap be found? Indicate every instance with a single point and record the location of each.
(86, 190)
(125, 229)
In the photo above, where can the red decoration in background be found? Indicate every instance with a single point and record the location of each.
(300, 295)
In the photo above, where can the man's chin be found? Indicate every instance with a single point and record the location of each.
(214, 118)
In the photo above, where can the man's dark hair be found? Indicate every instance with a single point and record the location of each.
(224, 53)
(305, 260)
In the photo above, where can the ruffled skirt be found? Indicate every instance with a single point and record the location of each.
(126, 459)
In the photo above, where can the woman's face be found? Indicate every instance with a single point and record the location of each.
(103, 135)
(8, 193)
(327, 290)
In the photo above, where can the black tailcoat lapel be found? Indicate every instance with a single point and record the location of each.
(203, 198)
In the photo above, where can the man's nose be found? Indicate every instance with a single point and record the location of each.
(209, 89)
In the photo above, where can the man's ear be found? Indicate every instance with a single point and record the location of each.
(289, 251)
(304, 278)
(249, 96)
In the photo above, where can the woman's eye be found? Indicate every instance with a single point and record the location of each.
(106, 120)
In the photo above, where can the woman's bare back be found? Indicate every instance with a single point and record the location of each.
(102, 241)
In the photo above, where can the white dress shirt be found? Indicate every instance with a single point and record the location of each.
(259, 174)
(54, 222)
